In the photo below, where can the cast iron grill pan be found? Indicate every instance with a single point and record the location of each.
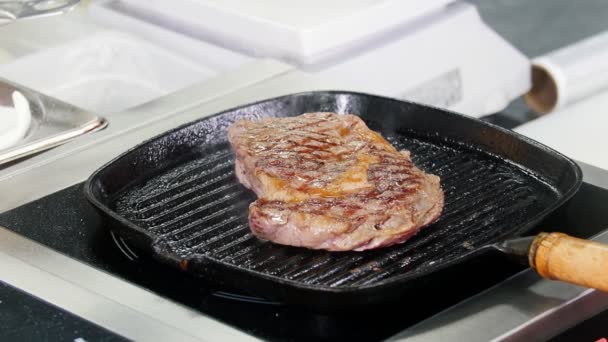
(177, 197)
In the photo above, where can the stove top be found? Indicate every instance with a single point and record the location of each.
(64, 221)
(28, 318)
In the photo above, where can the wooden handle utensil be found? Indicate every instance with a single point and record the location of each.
(562, 257)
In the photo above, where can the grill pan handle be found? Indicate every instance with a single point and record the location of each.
(558, 256)
(577, 261)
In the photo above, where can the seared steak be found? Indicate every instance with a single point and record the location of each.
(326, 181)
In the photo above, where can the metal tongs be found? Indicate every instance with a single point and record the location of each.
(12, 10)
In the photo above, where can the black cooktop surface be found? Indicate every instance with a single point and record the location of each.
(24, 317)
(67, 223)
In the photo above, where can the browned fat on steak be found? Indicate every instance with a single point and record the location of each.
(326, 181)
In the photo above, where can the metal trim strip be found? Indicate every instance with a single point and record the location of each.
(94, 295)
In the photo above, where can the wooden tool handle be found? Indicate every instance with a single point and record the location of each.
(562, 257)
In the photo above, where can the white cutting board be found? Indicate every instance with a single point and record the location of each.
(579, 131)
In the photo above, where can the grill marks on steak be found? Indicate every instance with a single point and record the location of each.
(326, 181)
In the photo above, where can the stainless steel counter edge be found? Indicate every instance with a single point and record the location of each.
(157, 110)
(116, 305)
(525, 307)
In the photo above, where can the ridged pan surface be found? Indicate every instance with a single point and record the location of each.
(179, 195)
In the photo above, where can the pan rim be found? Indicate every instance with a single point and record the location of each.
(394, 281)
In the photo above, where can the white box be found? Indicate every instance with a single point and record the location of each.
(448, 59)
(435, 52)
(297, 31)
